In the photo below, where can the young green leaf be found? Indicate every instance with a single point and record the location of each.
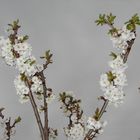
(113, 55)
(18, 119)
(111, 77)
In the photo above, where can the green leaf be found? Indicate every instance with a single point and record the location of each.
(113, 31)
(47, 53)
(105, 19)
(62, 96)
(26, 37)
(112, 54)
(101, 20)
(131, 24)
(138, 22)
(111, 77)
(97, 112)
(15, 25)
(47, 56)
(111, 18)
(23, 39)
(23, 77)
(18, 119)
(32, 62)
(130, 27)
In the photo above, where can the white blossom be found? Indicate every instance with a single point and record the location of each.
(50, 98)
(37, 85)
(20, 86)
(120, 79)
(23, 49)
(127, 34)
(121, 41)
(6, 51)
(23, 99)
(28, 65)
(95, 125)
(115, 95)
(118, 64)
(25, 62)
(36, 80)
(104, 82)
(22, 89)
(20, 64)
(118, 42)
(30, 70)
(76, 132)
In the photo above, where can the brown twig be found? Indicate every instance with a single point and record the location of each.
(34, 106)
(46, 132)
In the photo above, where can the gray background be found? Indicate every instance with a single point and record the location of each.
(80, 51)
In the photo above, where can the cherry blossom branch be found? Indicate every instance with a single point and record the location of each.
(31, 81)
(14, 27)
(71, 107)
(125, 54)
(103, 108)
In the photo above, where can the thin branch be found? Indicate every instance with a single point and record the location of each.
(103, 109)
(46, 132)
(8, 128)
(34, 106)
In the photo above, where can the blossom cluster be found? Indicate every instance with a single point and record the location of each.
(112, 82)
(71, 107)
(30, 84)
(76, 132)
(122, 38)
(95, 125)
(19, 55)
(22, 89)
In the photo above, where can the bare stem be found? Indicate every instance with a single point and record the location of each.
(34, 106)
(103, 109)
(46, 133)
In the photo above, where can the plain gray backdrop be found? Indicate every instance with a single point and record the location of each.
(80, 49)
